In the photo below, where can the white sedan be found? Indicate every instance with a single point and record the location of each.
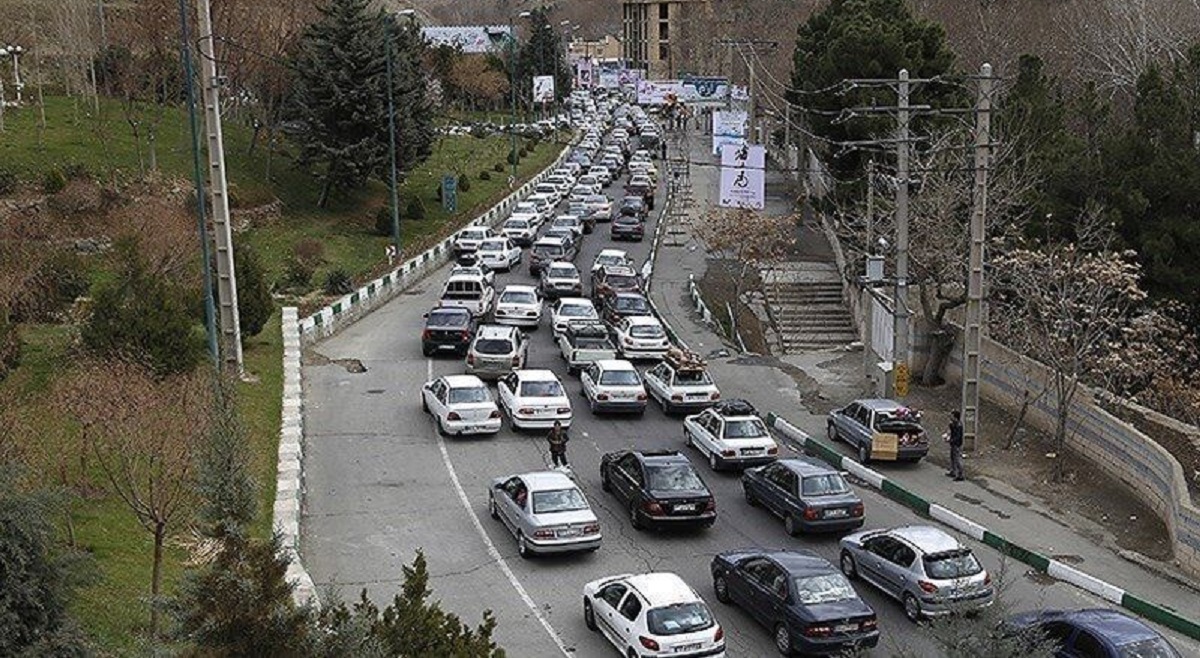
(613, 385)
(730, 433)
(681, 386)
(498, 254)
(534, 399)
(460, 404)
(652, 614)
(610, 257)
(519, 306)
(521, 230)
(641, 337)
(560, 278)
(569, 309)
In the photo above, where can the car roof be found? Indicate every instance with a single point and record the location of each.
(499, 239)
(463, 381)
(495, 331)
(575, 301)
(926, 538)
(806, 468)
(800, 561)
(623, 270)
(465, 276)
(627, 294)
(614, 364)
(661, 589)
(547, 241)
(474, 229)
(536, 375)
(879, 404)
(661, 456)
(1117, 627)
(562, 265)
(449, 310)
(612, 252)
(517, 287)
(643, 319)
(547, 480)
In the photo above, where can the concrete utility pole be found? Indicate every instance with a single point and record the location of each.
(900, 348)
(227, 302)
(974, 322)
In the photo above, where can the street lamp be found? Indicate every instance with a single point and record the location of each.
(512, 65)
(394, 201)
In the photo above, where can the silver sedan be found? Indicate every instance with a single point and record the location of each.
(545, 511)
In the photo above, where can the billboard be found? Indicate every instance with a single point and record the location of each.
(543, 89)
(746, 155)
(468, 38)
(655, 92)
(609, 79)
(583, 73)
(705, 91)
(743, 188)
(729, 127)
(629, 76)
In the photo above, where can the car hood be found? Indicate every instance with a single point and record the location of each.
(849, 608)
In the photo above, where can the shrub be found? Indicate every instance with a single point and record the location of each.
(76, 171)
(297, 274)
(437, 192)
(415, 209)
(523, 152)
(53, 181)
(513, 157)
(338, 282)
(309, 250)
(307, 255)
(383, 221)
(485, 175)
(255, 305)
(10, 345)
(8, 182)
(464, 183)
(498, 168)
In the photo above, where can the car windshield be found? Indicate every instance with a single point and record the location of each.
(541, 389)
(630, 304)
(592, 342)
(561, 272)
(565, 223)
(679, 619)
(610, 260)
(827, 588)
(576, 311)
(445, 319)
(548, 249)
(619, 378)
(494, 346)
(673, 477)
(954, 564)
(692, 377)
(559, 500)
(646, 331)
(1153, 647)
(621, 281)
(517, 297)
(828, 484)
(597, 200)
(750, 428)
(465, 395)
(476, 234)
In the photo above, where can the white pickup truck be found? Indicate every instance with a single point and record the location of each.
(583, 343)
(469, 291)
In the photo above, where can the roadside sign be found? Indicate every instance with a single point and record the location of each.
(900, 371)
(449, 193)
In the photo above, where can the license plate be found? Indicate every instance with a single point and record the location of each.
(688, 647)
(569, 532)
(686, 507)
(752, 451)
(835, 513)
(696, 396)
(845, 628)
(543, 412)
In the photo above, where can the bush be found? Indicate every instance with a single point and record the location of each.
(61, 278)
(523, 152)
(485, 175)
(296, 273)
(338, 282)
(76, 171)
(415, 209)
(464, 184)
(383, 221)
(53, 181)
(8, 182)
(10, 345)
(255, 305)
(513, 157)
(499, 168)
(437, 192)
(307, 255)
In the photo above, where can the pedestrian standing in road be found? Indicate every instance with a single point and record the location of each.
(954, 436)
(558, 444)
(663, 147)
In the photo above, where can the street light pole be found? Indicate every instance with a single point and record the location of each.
(393, 191)
(512, 65)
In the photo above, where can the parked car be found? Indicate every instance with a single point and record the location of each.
(809, 496)
(460, 404)
(926, 569)
(583, 342)
(546, 512)
(496, 351)
(613, 385)
(548, 250)
(522, 231)
(534, 399)
(619, 305)
(498, 254)
(882, 430)
(560, 279)
(810, 608)
(571, 309)
(658, 488)
(447, 329)
(519, 306)
(652, 614)
(627, 227)
(681, 383)
(730, 434)
(471, 292)
(1092, 633)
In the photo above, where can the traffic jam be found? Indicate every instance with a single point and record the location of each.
(523, 288)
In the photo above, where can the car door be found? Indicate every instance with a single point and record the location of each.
(841, 420)
(511, 501)
(626, 619)
(441, 398)
(506, 386)
(626, 480)
(429, 394)
(896, 569)
(740, 582)
(782, 483)
(768, 592)
(588, 378)
(654, 381)
(605, 606)
(871, 559)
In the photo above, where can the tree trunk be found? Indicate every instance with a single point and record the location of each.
(160, 531)
(1011, 439)
(940, 344)
(151, 141)
(328, 186)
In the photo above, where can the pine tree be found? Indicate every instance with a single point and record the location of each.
(255, 305)
(542, 54)
(414, 109)
(338, 100)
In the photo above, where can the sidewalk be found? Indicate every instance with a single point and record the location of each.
(801, 388)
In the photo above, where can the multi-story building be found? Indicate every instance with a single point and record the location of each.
(656, 32)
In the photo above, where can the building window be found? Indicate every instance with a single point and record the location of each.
(664, 51)
(664, 29)
(663, 10)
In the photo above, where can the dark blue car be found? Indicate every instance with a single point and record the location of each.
(1094, 633)
(808, 496)
(808, 605)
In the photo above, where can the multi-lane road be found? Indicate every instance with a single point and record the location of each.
(381, 485)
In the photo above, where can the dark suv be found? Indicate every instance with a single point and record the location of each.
(658, 488)
(447, 329)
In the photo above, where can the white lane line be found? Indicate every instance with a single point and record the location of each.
(491, 547)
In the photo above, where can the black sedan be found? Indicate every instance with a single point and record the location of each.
(624, 227)
(614, 306)
(658, 488)
(808, 496)
(807, 604)
(447, 329)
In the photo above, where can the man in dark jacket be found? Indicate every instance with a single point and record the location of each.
(558, 444)
(954, 436)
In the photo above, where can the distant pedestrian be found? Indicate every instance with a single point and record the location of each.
(558, 444)
(954, 436)
(662, 146)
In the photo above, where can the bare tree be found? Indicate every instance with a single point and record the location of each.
(478, 81)
(1115, 40)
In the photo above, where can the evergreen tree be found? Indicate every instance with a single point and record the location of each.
(542, 54)
(415, 133)
(337, 99)
(255, 305)
(225, 484)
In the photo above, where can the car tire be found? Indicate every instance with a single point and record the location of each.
(589, 615)
(523, 547)
(426, 351)
(492, 510)
(721, 588)
(783, 640)
(912, 608)
(635, 518)
(713, 461)
(751, 500)
(424, 404)
(789, 526)
(605, 485)
(831, 431)
(848, 565)
(864, 453)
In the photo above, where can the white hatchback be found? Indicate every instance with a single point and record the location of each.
(652, 614)
(534, 399)
(613, 385)
(460, 404)
(519, 306)
(730, 434)
(641, 337)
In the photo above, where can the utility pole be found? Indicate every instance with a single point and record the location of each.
(227, 302)
(900, 329)
(393, 198)
(973, 328)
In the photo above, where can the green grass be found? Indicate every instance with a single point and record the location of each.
(260, 404)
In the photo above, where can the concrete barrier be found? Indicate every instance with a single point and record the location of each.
(289, 476)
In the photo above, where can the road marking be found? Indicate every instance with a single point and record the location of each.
(491, 547)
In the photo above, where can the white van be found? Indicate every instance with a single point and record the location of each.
(469, 291)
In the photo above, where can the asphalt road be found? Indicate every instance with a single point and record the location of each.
(381, 484)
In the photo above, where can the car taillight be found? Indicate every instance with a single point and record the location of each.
(628, 341)
(927, 587)
(869, 624)
(516, 360)
(652, 507)
(641, 397)
(720, 634)
(812, 514)
(563, 410)
(772, 451)
(648, 643)
(466, 335)
(677, 398)
(453, 415)
(470, 359)
(543, 534)
(602, 396)
(857, 510)
(710, 505)
(524, 411)
(818, 630)
(495, 414)
(426, 335)
(987, 578)
(728, 453)
(591, 529)
(715, 396)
